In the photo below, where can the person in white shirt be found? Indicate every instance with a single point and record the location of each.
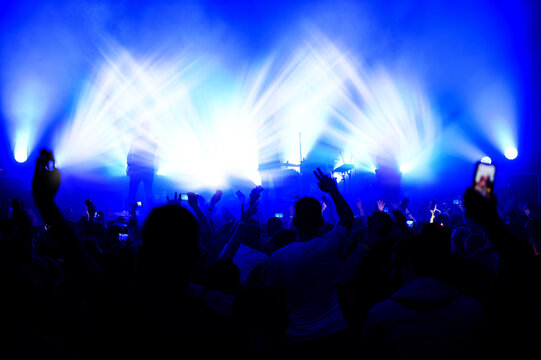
(306, 271)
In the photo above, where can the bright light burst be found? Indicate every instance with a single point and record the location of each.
(376, 116)
(125, 100)
(210, 131)
(511, 153)
(29, 107)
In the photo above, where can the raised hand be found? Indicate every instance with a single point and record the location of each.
(215, 198)
(173, 201)
(380, 205)
(255, 194)
(251, 211)
(46, 180)
(241, 196)
(192, 200)
(90, 209)
(325, 182)
(399, 217)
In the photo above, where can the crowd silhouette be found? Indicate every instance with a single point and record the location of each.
(186, 282)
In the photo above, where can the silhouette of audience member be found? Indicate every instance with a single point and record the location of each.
(175, 321)
(307, 270)
(442, 219)
(274, 225)
(458, 240)
(426, 318)
(516, 296)
(76, 289)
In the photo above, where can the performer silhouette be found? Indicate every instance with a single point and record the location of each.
(141, 167)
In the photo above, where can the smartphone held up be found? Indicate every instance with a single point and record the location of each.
(483, 180)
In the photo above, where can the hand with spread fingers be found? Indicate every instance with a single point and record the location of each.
(325, 182)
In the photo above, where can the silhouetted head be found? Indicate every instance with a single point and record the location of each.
(458, 239)
(274, 224)
(252, 236)
(442, 219)
(421, 254)
(439, 236)
(308, 214)
(170, 241)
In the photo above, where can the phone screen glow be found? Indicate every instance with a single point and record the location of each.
(484, 178)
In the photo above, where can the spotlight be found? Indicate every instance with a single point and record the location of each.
(404, 168)
(486, 160)
(511, 153)
(21, 155)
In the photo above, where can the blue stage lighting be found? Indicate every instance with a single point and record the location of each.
(486, 160)
(21, 155)
(511, 153)
(404, 168)
(20, 151)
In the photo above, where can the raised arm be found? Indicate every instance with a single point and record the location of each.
(207, 234)
(328, 185)
(231, 248)
(484, 212)
(210, 210)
